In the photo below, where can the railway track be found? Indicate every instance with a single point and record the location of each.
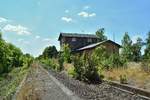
(105, 91)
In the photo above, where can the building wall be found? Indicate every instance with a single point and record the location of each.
(80, 42)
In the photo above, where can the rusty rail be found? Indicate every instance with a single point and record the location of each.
(141, 92)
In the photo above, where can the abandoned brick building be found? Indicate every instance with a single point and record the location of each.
(86, 42)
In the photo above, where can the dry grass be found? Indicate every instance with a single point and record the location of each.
(135, 76)
(67, 66)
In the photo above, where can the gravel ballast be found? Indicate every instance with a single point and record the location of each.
(103, 91)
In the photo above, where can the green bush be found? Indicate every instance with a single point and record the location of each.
(123, 79)
(71, 72)
(78, 67)
(50, 64)
(66, 53)
(61, 62)
(115, 61)
(146, 65)
(86, 69)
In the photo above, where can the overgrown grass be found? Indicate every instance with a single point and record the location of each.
(50, 63)
(9, 82)
(135, 76)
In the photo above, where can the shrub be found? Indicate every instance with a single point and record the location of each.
(146, 65)
(71, 72)
(66, 53)
(50, 64)
(86, 69)
(115, 61)
(123, 79)
(78, 67)
(61, 62)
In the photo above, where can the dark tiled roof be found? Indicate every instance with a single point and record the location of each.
(77, 35)
(97, 44)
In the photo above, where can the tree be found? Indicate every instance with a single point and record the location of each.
(136, 50)
(147, 50)
(0, 35)
(10, 56)
(100, 56)
(127, 47)
(100, 33)
(50, 52)
(66, 53)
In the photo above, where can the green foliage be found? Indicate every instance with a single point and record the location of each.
(10, 57)
(100, 33)
(50, 64)
(146, 65)
(50, 52)
(115, 61)
(123, 79)
(61, 62)
(10, 82)
(127, 47)
(147, 50)
(0, 35)
(78, 67)
(71, 72)
(86, 69)
(66, 53)
(100, 56)
(136, 50)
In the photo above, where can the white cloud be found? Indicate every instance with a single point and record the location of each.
(86, 7)
(92, 15)
(37, 37)
(67, 19)
(83, 14)
(20, 30)
(66, 11)
(86, 14)
(3, 20)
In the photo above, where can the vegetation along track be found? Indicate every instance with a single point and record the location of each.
(104, 91)
(39, 85)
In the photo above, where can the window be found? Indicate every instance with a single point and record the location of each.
(73, 39)
(89, 40)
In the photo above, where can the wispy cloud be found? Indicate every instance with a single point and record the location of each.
(86, 14)
(20, 30)
(3, 20)
(67, 19)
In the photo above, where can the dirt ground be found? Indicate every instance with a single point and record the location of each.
(39, 86)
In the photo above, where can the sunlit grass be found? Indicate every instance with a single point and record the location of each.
(135, 76)
(10, 82)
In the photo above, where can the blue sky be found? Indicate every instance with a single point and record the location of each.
(34, 24)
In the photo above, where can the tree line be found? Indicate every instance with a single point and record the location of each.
(89, 68)
(11, 56)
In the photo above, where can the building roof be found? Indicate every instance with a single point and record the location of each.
(97, 44)
(77, 35)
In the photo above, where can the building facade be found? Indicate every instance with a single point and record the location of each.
(86, 43)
